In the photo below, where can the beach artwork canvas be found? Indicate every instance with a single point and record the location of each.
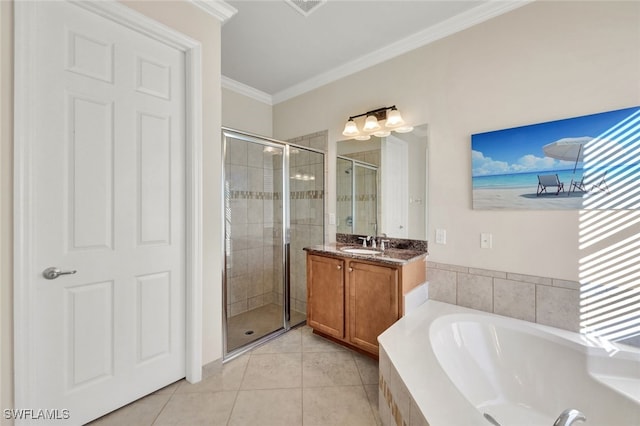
(563, 164)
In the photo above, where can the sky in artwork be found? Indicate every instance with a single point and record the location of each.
(519, 149)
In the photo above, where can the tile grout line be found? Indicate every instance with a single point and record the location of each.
(235, 399)
(373, 413)
(157, 416)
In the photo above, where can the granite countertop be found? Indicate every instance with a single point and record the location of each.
(391, 256)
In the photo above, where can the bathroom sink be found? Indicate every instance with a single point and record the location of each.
(361, 251)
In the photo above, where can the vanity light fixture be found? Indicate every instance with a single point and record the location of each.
(372, 124)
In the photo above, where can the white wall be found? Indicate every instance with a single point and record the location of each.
(240, 112)
(541, 62)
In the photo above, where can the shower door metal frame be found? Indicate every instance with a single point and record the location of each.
(286, 237)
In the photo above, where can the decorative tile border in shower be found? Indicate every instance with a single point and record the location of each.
(256, 195)
(342, 198)
(366, 197)
(295, 195)
(253, 195)
(542, 300)
(307, 195)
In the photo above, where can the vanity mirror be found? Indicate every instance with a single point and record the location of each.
(382, 185)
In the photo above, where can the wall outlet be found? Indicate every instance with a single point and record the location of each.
(486, 240)
(332, 218)
(441, 236)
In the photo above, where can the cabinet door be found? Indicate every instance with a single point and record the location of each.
(373, 303)
(325, 295)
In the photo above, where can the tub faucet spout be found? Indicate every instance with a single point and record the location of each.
(568, 417)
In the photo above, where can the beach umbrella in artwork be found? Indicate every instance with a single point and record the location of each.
(569, 149)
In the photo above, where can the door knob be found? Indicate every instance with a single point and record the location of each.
(52, 273)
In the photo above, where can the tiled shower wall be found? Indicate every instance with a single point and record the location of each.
(307, 211)
(254, 226)
(531, 298)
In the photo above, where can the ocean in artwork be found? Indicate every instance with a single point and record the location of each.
(524, 180)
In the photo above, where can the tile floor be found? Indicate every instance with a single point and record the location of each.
(297, 379)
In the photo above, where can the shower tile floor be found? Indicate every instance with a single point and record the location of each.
(297, 379)
(261, 321)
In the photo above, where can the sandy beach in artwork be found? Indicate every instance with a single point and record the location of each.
(524, 198)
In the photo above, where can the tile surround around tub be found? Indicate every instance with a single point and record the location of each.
(531, 298)
(396, 406)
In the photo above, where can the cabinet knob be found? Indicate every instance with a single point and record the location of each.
(339, 266)
(350, 269)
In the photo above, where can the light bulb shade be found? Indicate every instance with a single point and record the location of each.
(394, 119)
(350, 129)
(382, 133)
(371, 124)
(363, 137)
(403, 129)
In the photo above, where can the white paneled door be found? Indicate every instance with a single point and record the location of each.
(108, 187)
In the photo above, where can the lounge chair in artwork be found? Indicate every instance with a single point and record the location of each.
(545, 181)
(602, 184)
(577, 186)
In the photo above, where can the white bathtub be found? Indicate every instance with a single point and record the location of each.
(458, 364)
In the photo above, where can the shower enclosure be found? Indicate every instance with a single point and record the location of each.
(273, 207)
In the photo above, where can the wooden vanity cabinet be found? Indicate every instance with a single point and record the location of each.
(353, 301)
(325, 295)
(373, 302)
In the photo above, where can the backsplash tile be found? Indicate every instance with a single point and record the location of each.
(558, 307)
(529, 278)
(487, 273)
(447, 267)
(543, 300)
(573, 285)
(514, 299)
(475, 292)
(442, 284)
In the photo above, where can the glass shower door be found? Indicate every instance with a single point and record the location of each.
(255, 226)
(273, 208)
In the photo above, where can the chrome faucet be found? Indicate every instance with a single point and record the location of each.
(365, 240)
(568, 417)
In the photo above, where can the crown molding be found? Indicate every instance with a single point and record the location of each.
(448, 27)
(246, 90)
(219, 9)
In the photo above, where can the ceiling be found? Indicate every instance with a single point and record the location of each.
(273, 52)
